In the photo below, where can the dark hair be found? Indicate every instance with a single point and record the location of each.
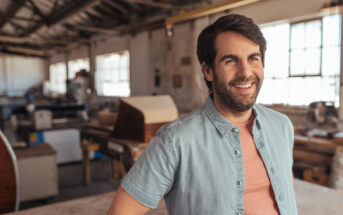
(206, 49)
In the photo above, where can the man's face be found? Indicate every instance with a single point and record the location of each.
(238, 72)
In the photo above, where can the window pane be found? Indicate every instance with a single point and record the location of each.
(112, 74)
(274, 91)
(331, 61)
(305, 57)
(312, 34)
(331, 30)
(75, 66)
(311, 62)
(123, 75)
(58, 76)
(298, 36)
(297, 62)
(277, 55)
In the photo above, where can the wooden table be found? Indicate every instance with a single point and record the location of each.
(127, 150)
(311, 200)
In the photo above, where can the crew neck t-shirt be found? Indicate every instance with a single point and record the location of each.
(258, 194)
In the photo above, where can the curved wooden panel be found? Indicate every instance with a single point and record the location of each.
(8, 177)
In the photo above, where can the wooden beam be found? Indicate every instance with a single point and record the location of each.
(54, 7)
(110, 14)
(10, 39)
(94, 19)
(64, 13)
(25, 19)
(10, 11)
(17, 27)
(26, 51)
(105, 10)
(37, 11)
(154, 4)
(116, 6)
(96, 30)
(208, 10)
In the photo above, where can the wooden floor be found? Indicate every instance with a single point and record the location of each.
(311, 200)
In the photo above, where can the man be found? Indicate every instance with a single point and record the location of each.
(228, 157)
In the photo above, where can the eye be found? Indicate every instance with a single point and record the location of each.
(230, 60)
(255, 58)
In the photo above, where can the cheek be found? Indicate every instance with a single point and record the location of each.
(225, 74)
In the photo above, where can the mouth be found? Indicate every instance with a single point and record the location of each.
(243, 86)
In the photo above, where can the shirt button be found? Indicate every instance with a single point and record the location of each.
(239, 183)
(239, 214)
(235, 130)
(237, 152)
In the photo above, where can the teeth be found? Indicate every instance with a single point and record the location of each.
(243, 86)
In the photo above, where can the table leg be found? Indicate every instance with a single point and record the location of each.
(86, 165)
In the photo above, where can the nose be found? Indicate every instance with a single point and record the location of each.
(245, 69)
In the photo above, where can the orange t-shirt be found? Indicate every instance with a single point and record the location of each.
(259, 196)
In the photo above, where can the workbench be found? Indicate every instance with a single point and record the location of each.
(124, 152)
(313, 158)
(311, 200)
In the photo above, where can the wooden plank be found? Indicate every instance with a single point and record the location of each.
(312, 158)
(312, 141)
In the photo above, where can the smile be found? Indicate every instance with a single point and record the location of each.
(243, 86)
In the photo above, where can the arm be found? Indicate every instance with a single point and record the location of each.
(124, 204)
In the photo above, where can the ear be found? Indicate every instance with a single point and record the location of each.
(207, 70)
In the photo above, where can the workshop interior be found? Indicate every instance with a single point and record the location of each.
(86, 84)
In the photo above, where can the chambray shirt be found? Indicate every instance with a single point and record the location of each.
(196, 163)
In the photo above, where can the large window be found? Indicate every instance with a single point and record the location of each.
(113, 74)
(58, 76)
(302, 62)
(75, 66)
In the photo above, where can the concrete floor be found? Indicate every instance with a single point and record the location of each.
(70, 183)
(70, 178)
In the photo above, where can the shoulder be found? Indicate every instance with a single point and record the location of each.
(270, 114)
(273, 119)
(184, 124)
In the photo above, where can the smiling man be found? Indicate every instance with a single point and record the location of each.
(228, 157)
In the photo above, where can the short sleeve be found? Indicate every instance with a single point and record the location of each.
(152, 175)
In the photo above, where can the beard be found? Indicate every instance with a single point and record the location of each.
(234, 101)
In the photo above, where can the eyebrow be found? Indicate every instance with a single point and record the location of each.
(228, 56)
(257, 54)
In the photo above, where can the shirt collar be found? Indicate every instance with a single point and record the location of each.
(219, 121)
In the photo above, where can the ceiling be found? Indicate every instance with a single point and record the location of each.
(35, 27)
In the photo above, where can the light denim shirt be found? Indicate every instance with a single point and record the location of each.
(196, 163)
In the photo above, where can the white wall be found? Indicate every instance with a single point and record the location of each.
(17, 73)
(57, 58)
(78, 52)
(3, 84)
(140, 73)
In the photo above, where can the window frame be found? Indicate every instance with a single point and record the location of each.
(290, 75)
(128, 68)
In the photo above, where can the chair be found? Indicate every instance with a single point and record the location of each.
(9, 178)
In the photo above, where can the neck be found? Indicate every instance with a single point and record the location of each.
(235, 117)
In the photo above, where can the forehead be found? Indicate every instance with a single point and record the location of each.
(234, 43)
